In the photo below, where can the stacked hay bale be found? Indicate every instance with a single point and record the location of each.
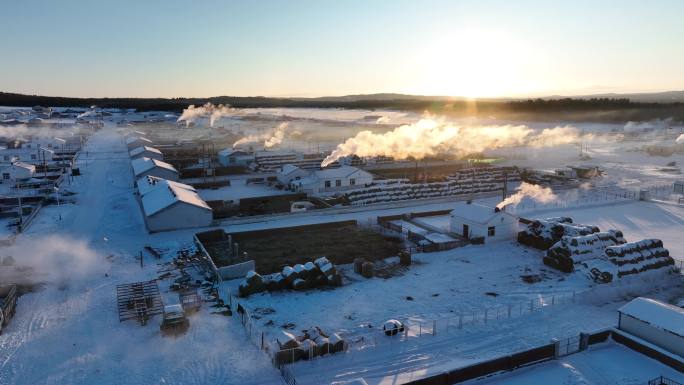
(405, 258)
(569, 251)
(358, 265)
(253, 283)
(544, 233)
(299, 277)
(367, 269)
(629, 258)
(289, 348)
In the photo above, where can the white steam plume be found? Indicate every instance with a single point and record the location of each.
(533, 191)
(430, 137)
(680, 139)
(208, 111)
(270, 139)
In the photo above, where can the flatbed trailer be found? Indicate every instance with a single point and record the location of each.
(8, 302)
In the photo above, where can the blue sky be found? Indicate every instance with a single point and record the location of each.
(309, 48)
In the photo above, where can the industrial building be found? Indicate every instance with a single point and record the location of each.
(233, 157)
(18, 171)
(137, 141)
(147, 152)
(332, 180)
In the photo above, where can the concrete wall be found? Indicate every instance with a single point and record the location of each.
(664, 339)
(179, 216)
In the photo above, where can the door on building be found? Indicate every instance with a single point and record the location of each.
(466, 231)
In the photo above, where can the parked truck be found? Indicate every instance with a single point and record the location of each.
(8, 302)
(174, 321)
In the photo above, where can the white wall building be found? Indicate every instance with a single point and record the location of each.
(18, 171)
(232, 157)
(137, 141)
(473, 220)
(332, 180)
(169, 205)
(289, 173)
(147, 166)
(45, 142)
(147, 152)
(656, 322)
(28, 155)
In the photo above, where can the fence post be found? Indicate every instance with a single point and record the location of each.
(509, 310)
(420, 328)
(556, 347)
(434, 327)
(531, 305)
(485, 315)
(583, 341)
(553, 300)
(460, 321)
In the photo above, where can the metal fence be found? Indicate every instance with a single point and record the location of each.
(432, 327)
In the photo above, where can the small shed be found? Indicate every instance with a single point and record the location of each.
(147, 152)
(146, 166)
(654, 321)
(473, 220)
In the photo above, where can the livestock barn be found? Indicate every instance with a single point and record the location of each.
(657, 322)
(146, 166)
(146, 152)
(472, 220)
(137, 141)
(169, 205)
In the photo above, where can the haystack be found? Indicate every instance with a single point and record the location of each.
(405, 258)
(286, 340)
(336, 343)
(367, 269)
(300, 284)
(392, 327)
(310, 349)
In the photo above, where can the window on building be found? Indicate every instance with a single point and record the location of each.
(5, 175)
(327, 184)
(6, 157)
(33, 156)
(338, 183)
(352, 182)
(491, 231)
(28, 145)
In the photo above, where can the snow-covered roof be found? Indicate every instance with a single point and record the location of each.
(145, 164)
(25, 165)
(167, 194)
(475, 212)
(141, 149)
(132, 139)
(658, 314)
(340, 172)
(288, 169)
(230, 151)
(149, 183)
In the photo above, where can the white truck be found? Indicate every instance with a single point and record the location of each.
(8, 302)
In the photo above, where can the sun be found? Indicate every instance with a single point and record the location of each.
(475, 64)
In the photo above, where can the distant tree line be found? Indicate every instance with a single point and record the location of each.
(589, 109)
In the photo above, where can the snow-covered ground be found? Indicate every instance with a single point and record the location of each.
(239, 189)
(68, 331)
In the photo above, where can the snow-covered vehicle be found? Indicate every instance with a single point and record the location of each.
(393, 327)
(8, 302)
(174, 321)
(301, 206)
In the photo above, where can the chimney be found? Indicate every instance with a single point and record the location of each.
(497, 209)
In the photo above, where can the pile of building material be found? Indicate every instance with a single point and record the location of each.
(318, 273)
(544, 233)
(627, 259)
(569, 251)
(487, 174)
(313, 342)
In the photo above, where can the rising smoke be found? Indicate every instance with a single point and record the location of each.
(532, 191)
(431, 137)
(680, 139)
(270, 138)
(208, 111)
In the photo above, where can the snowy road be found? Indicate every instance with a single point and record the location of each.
(68, 331)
